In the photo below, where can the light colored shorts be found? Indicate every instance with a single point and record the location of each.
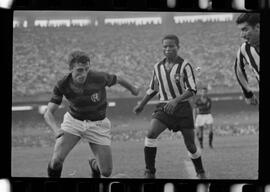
(98, 132)
(203, 119)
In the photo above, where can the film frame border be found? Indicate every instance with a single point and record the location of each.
(122, 6)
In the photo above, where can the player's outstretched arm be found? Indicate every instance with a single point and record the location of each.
(134, 90)
(139, 107)
(50, 119)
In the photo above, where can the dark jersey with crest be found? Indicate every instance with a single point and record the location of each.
(204, 106)
(88, 103)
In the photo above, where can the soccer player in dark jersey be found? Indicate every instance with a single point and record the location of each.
(249, 53)
(85, 92)
(173, 79)
(204, 118)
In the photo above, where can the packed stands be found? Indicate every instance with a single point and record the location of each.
(40, 53)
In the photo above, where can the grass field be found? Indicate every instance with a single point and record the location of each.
(235, 153)
(234, 157)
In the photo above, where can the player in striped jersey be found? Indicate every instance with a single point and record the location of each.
(86, 118)
(173, 79)
(249, 53)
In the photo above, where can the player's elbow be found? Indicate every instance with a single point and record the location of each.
(48, 113)
(106, 172)
(45, 115)
(120, 79)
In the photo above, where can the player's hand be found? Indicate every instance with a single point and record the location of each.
(138, 109)
(135, 91)
(252, 101)
(170, 106)
(59, 133)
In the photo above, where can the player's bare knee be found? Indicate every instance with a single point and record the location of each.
(106, 172)
(57, 163)
(191, 147)
(195, 154)
(152, 134)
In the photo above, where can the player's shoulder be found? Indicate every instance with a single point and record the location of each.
(159, 62)
(185, 62)
(62, 82)
(180, 60)
(244, 47)
(97, 74)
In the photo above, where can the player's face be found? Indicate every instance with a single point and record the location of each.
(251, 34)
(170, 48)
(79, 72)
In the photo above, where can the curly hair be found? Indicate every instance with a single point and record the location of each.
(251, 18)
(172, 37)
(77, 57)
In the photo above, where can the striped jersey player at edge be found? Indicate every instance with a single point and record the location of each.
(249, 53)
(173, 79)
(86, 118)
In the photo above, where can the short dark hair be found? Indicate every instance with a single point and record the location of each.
(172, 37)
(77, 57)
(251, 18)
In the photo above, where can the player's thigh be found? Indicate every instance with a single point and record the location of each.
(156, 128)
(103, 155)
(64, 144)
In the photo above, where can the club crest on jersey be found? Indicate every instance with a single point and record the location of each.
(95, 97)
(177, 77)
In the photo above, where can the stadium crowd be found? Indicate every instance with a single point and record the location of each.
(40, 53)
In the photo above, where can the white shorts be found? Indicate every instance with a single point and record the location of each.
(98, 132)
(203, 119)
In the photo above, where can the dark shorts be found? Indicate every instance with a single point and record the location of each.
(182, 118)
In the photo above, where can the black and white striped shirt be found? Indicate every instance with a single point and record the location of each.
(173, 83)
(246, 55)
